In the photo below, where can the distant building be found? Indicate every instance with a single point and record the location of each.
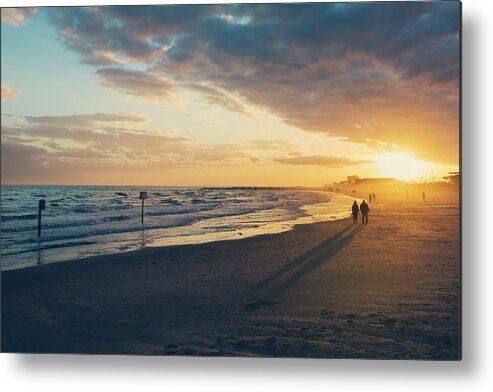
(361, 181)
(352, 179)
(453, 178)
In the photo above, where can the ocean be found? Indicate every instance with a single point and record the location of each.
(83, 221)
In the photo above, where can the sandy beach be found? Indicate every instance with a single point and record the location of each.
(387, 290)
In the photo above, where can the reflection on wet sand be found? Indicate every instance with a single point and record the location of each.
(39, 254)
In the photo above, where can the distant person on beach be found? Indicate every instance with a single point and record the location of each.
(369, 197)
(355, 210)
(373, 196)
(424, 196)
(364, 212)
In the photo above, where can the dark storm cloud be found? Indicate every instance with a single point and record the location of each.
(320, 67)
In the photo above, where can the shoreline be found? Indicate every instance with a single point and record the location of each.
(158, 250)
(48, 251)
(387, 290)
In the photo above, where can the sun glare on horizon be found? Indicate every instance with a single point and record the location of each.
(403, 166)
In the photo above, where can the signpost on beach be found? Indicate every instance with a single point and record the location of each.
(143, 196)
(41, 207)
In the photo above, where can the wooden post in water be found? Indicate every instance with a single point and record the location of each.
(41, 206)
(143, 196)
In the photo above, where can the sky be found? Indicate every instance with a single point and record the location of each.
(224, 95)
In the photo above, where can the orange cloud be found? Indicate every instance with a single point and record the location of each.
(8, 94)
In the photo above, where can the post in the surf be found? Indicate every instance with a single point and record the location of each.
(41, 207)
(143, 196)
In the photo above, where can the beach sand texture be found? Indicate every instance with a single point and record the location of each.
(389, 289)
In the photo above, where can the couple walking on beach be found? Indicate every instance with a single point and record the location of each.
(363, 208)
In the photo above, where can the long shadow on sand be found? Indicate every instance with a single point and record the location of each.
(281, 279)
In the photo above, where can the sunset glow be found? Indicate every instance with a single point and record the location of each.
(229, 95)
(403, 166)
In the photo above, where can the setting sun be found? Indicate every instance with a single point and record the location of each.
(403, 166)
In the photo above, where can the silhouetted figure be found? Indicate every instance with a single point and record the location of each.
(424, 196)
(355, 210)
(364, 212)
(373, 196)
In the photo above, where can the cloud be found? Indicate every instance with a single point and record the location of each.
(86, 120)
(46, 147)
(17, 16)
(217, 96)
(272, 144)
(292, 35)
(321, 160)
(152, 87)
(319, 67)
(136, 83)
(8, 94)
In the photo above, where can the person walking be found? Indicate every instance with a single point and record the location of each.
(424, 196)
(373, 196)
(364, 212)
(369, 197)
(355, 211)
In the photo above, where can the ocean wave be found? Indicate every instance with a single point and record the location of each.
(118, 207)
(6, 218)
(171, 201)
(51, 246)
(182, 211)
(160, 194)
(86, 209)
(67, 225)
(106, 219)
(79, 216)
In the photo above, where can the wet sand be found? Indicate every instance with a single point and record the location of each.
(389, 289)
